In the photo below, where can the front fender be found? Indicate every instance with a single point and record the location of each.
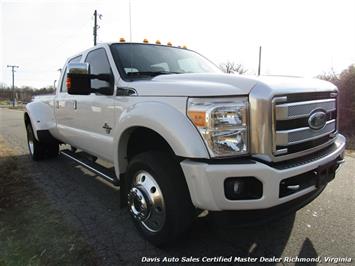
(41, 115)
(168, 122)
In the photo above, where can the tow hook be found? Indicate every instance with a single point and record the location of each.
(339, 163)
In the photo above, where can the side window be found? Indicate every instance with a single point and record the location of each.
(63, 87)
(99, 64)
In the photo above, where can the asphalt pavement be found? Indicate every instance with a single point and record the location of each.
(324, 228)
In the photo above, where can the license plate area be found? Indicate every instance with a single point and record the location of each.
(325, 173)
(317, 177)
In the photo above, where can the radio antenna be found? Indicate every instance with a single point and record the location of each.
(130, 21)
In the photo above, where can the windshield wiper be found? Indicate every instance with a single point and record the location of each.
(151, 73)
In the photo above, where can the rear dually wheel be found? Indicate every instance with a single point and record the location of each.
(38, 150)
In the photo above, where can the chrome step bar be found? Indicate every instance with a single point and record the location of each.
(79, 157)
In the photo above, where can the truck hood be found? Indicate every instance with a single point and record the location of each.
(221, 84)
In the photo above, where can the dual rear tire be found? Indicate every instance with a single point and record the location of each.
(38, 150)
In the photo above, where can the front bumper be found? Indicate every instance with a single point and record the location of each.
(206, 181)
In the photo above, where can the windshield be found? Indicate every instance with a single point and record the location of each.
(145, 60)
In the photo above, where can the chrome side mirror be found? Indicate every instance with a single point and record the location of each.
(79, 79)
(79, 68)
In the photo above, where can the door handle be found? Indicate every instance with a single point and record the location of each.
(75, 105)
(57, 104)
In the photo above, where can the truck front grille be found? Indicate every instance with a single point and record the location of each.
(291, 130)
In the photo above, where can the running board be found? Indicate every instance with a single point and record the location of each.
(102, 171)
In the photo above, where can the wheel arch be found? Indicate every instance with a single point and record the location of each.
(41, 117)
(172, 126)
(132, 143)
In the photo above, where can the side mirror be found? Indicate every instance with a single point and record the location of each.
(79, 79)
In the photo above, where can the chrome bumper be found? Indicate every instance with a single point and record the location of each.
(206, 181)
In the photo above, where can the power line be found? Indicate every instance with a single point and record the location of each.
(13, 82)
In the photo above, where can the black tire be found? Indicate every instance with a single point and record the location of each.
(39, 151)
(179, 211)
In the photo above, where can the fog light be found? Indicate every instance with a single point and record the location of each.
(243, 188)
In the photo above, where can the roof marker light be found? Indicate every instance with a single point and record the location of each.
(169, 44)
(184, 47)
(122, 39)
(145, 41)
(157, 42)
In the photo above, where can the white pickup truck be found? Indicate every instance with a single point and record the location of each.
(183, 137)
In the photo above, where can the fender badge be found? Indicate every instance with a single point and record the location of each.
(107, 128)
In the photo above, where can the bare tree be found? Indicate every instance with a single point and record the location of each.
(3, 85)
(330, 76)
(346, 85)
(25, 93)
(231, 68)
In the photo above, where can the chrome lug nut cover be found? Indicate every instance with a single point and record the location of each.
(138, 204)
(146, 202)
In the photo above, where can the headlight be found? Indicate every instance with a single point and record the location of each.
(223, 124)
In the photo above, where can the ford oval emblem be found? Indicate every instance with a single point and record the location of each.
(317, 119)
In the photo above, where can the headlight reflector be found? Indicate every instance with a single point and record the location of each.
(223, 124)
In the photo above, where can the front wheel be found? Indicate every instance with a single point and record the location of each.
(158, 198)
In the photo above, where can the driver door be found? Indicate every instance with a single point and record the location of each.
(95, 112)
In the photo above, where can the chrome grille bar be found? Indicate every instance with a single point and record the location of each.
(303, 109)
(292, 134)
(303, 134)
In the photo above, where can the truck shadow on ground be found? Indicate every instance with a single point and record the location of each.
(93, 208)
(219, 234)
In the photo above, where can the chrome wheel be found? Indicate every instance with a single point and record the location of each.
(146, 203)
(30, 140)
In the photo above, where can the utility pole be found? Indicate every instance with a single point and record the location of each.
(259, 61)
(96, 27)
(13, 83)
